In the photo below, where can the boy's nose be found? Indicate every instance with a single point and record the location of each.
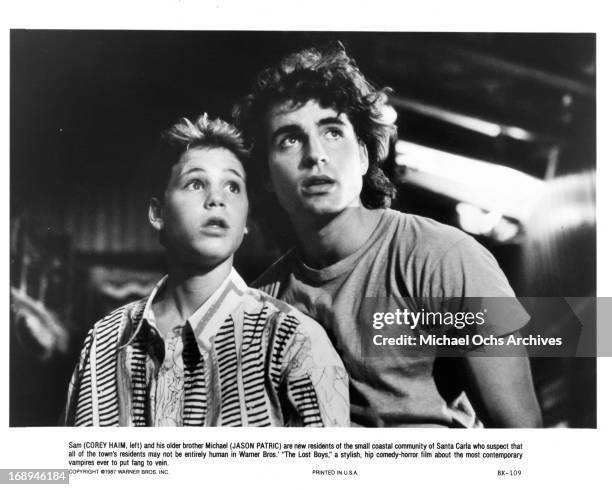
(214, 199)
(315, 153)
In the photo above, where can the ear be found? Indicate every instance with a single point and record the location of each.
(156, 217)
(364, 160)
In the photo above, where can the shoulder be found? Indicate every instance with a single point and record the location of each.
(270, 280)
(425, 242)
(119, 317)
(443, 245)
(426, 233)
(453, 263)
(289, 322)
(259, 300)
(442, 259)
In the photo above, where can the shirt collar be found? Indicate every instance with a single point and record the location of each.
(208, 318)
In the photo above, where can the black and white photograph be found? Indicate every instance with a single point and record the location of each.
(361, 165)
(268, 242)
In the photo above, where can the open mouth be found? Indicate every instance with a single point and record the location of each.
(318, 184)
(215, 224)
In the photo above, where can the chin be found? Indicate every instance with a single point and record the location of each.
(216, 255)
(323, 205)
(207, 257)
(325, 209)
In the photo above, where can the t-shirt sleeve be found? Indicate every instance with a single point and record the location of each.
(468, 278)
(316, 380)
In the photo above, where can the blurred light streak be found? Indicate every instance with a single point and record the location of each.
(488, 186)
(487, 223)
(478, 125)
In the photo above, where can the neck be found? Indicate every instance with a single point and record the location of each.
(328, 241)
(186, 290)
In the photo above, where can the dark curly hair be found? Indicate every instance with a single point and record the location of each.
(333, 79)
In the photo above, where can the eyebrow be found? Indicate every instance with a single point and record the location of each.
(291, 128)
(331, 120)
(243, 177)
(201, 170)
(288, 128)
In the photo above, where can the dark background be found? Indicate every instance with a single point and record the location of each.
(87, 108)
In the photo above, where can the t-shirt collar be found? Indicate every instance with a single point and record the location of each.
(346, 264)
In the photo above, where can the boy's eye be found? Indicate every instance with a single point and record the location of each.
(195, 185)
(289, 141)
(234, 187)
(333, 133)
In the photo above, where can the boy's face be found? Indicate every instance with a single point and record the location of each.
(203, 215)
(315, 159)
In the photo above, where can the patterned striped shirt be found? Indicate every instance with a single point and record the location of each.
(248, 359)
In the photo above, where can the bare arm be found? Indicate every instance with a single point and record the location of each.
(503, 389)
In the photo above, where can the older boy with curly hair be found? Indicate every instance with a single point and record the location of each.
(320, 136)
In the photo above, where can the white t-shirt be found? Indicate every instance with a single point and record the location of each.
(409, 262)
